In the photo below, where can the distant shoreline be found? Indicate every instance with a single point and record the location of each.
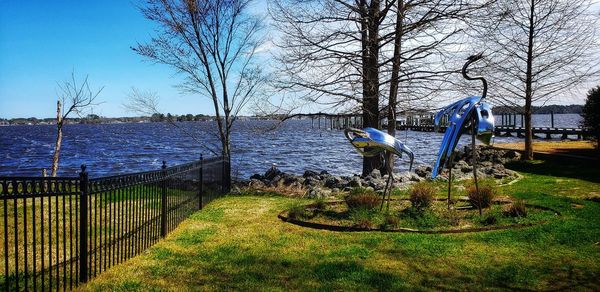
(162, 119)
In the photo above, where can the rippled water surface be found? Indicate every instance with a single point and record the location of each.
(119, 148)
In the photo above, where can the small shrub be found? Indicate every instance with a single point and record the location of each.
(490, 220)
(421, 195)
(451, 217)
(487, 191)
(361, 198)
(426, 219)
(516, 209)
(298, 212)
(390, 221)
(320, 204)
(362, 218)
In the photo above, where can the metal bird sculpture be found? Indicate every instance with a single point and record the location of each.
(370, 142)
(470, 112)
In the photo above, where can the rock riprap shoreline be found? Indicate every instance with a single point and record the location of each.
(314, 184)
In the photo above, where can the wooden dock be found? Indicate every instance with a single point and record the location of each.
(422, 123)
(545, 132)
(508, 131)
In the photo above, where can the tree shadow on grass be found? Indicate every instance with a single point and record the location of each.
(235, 269)
(588, 170)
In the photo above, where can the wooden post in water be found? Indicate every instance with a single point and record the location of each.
(521, 120)
(552, 118)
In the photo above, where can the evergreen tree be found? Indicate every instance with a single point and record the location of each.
(591, 113)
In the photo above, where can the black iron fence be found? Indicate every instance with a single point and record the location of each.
(59, 232)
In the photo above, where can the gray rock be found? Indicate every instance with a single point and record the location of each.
(414, 177)
(235, 190)
(310, 173)
(256, 183)
(332, 182)
(272, 173)
(512, 155)
(318, 193)
(499, 175)
(375, 173)
(486, 164)
(355, 182)
(312, 181)
(377, 184)
(291, 179)
(423, 171)
(402, 176)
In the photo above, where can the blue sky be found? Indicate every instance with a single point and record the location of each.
(41, 42)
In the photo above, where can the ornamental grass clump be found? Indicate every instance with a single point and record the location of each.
(320, 204)
(362, 198)
(390, 222)
(489, 220)
(482, 198)
(421, 195)
(516, 209)
(362, 218)
(298, 212)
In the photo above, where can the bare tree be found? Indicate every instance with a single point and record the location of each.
(213, 44)
(75, 97)
(537, 51)
(348, 54)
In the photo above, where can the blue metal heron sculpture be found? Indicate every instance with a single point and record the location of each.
(370, 142)
(470, 112)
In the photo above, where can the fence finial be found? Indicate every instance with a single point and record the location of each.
(164, 165)
(83, 167)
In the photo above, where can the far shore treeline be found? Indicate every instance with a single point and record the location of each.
(96, 119)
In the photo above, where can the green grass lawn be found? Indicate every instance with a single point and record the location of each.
(237, 242)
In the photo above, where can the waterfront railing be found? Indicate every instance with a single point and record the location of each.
(59, 232)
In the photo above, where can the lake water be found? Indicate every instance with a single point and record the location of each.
(120, 148)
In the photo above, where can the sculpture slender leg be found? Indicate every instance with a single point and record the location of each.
(474, 160)
(450, 181)
(390, 183)
(391, 179)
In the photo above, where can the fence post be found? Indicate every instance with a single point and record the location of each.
(163, 201)
(201, 181)
(83, 225)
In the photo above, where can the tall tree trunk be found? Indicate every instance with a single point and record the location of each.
(370, 106)
(391, 128)
(57, 145)
(528, 89)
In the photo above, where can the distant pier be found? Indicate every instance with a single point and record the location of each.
(423, 122)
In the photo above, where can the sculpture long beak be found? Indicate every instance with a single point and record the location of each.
(401, 148)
